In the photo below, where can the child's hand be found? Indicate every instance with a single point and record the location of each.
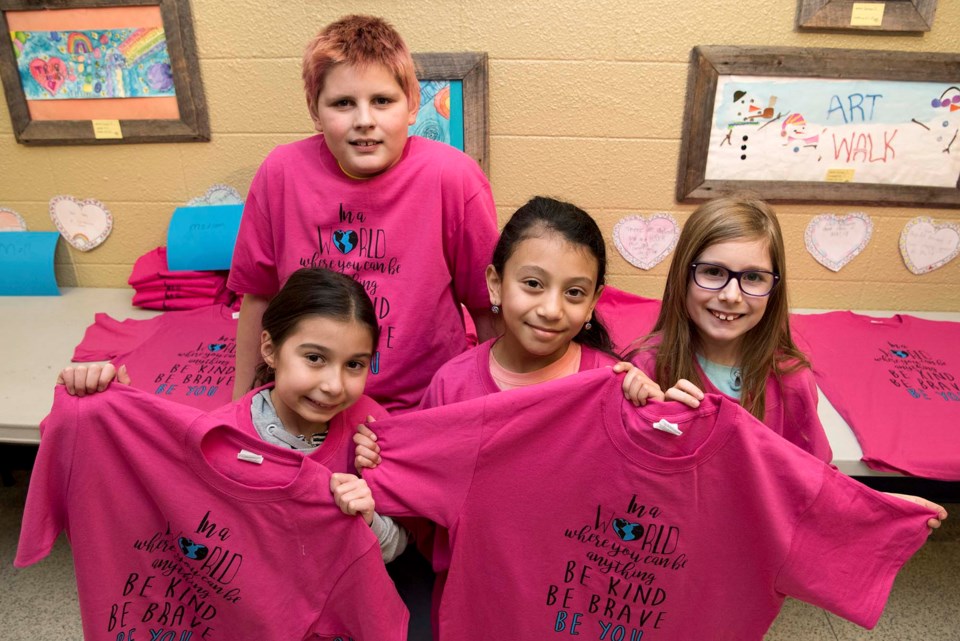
(638, 388)
(90, 379)
(685, 392)
(934, 521)
(368, 452)
(352, 495)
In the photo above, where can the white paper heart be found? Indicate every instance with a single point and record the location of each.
(644, 241)
(926, 244)
(11, 220)
(217, 195)
(836, 240)
(84, 224)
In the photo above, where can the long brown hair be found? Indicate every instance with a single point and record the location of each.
(765, 349)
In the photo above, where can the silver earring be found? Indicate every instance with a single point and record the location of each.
(495, 309)
(588, 325)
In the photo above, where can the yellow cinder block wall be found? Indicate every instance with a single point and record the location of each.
(586, 104)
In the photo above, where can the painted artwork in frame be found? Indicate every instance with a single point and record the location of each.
(454, 106)
(798, 124)
(861, 15)
(68, 68)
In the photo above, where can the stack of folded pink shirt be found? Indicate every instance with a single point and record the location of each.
(156, 287)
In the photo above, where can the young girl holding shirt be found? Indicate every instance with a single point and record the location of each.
(723, 323)
(723, 326)
(319, 336)
(411, 219)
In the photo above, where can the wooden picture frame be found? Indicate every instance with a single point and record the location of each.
(116, 119)
(861, 15)
(711, 65)
(470, 68)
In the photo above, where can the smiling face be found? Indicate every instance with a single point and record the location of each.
(722, 317)
(546, 293)
(320, 370)
(364, 114)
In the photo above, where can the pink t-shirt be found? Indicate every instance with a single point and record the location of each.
(174, 537)
(626, 316)
(791, 406)
(467, 376)
(418, 237)
(151, 268)
(337, 452)
(187, 356)
(896, 382)
(581, 518)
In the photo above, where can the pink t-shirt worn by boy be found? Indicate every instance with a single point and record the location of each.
(418, 237)
(186, 356)
(896, 382)
(573, 515)
(176, 536)
(337, 452)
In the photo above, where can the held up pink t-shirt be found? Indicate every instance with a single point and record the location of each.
(174, 536)
(582, 519)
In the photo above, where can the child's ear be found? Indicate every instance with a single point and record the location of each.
(267, 349)
(493, 285)
(596, 299)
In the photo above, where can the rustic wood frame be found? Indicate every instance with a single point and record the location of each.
(471, 69)
(707, 63)
(834, 15)
(193, 125)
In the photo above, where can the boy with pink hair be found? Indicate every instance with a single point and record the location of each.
(411, 219)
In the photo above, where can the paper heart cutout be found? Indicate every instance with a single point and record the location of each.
(834, 241)
(217, 195)
(11, 220)
(84, 224)
(926, 244)
(49, 74)
(645, 241)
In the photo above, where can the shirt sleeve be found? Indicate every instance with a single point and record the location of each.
(428, 461)
(108, 338)
(848, 547)
(364, 604)
(470, 235)
(44, 515)
(253, 268)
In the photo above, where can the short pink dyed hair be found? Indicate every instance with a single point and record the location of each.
(360, 41)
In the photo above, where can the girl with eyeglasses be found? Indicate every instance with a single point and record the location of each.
(723, 324)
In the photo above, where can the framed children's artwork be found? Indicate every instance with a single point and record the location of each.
(841, 125)
(453, 102)
(861, 15)
(101, 71)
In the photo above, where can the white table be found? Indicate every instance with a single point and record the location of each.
(40, 333)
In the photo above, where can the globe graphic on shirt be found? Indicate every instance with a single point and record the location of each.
(345, 241)
(626, 530)
(192, 550)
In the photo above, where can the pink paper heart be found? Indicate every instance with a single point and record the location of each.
(927, 245)
(84, 224)
(49, 74)
(836, 240)
(645, 241)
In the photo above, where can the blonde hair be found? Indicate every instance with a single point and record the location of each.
(362, 41)
(767, 348)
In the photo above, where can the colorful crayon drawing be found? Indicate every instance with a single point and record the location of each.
(111, 63)
(441, 112)
(804, 129)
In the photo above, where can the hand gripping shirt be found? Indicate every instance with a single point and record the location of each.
(174, 536)
(572, 515)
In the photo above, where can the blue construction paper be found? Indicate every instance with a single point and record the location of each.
(456, 114)
(26, 263)
(202, 238)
